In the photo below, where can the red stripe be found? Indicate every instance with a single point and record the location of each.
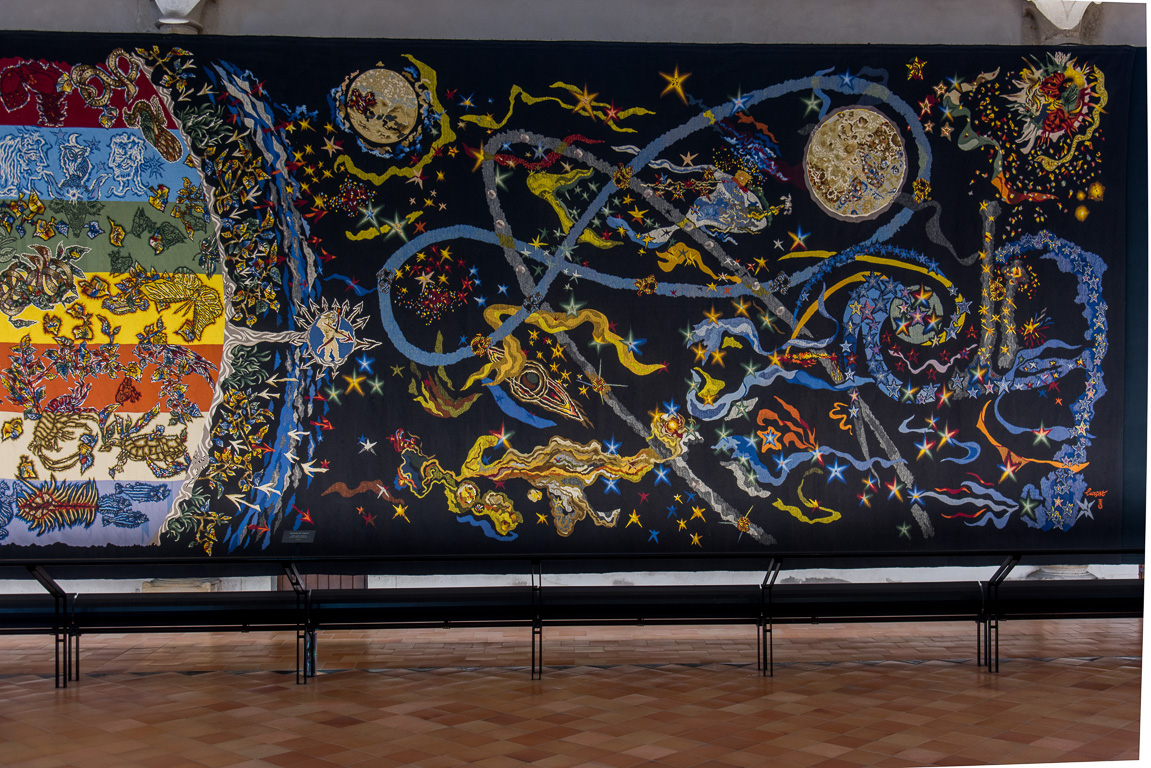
(28, 95)
(104, 389)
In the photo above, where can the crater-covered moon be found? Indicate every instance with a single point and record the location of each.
(381, 106)
(855, 163)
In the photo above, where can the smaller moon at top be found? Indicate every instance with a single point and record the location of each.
(381, 106)
(855, 163)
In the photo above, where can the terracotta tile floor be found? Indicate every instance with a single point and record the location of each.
(842, 696)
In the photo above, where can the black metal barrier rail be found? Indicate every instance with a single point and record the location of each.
(985, 603)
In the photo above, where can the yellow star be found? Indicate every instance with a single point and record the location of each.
(584, 102)
(354, 383)
(633, 519)
(675, 83)
(695, 539)
(697, 512)
(480, 156)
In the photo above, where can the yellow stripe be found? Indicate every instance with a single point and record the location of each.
(904, 265)
(174, 316)
(811, 310)
(861, 275)
(807, 255)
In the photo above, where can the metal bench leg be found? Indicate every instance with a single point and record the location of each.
(537, 651)
(996, 657)
(767, 639)
(990, 644)
(62, 648)
(62, 625)
(309, 652)
(979, 642)
(305, 653)
(987, 643)
(765, 649)
(771, 649)
(537, 620)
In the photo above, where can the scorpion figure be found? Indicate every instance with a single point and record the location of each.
(63, 423)
(165, 455)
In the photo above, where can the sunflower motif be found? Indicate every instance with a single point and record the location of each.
(1060, 102)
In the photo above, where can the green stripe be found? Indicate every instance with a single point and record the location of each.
(184, 253)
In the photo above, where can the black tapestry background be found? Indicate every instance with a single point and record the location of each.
(332, 297)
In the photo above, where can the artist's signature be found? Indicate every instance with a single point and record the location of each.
(1096, 495)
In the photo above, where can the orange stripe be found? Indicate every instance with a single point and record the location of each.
(104, 389)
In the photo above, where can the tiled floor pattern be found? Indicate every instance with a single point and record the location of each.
(842, 696)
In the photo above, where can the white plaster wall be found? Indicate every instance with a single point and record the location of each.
(100, 586)
(710, 578)
(995, 22)
(623, 578)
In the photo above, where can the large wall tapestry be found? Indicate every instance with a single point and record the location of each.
(263, 297)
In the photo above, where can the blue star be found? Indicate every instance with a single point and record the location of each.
(653, 536)
(661, 476)
(848, 80)
(481, 301)
(365, 363)
(502, 289)
(671, 407)
(611, 484)
(835, 472)
(690, 496)
(780, 462)
(611, 446)
(672, 512)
